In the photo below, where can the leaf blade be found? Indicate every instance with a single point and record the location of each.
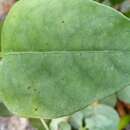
(62, 83)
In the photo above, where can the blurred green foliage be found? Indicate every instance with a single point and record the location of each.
(4, 111)
(124, 122)
(121, 5)
(114, 2)
(36, 123)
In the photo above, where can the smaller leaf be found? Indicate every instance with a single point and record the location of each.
(64, 126)
(76, 120)
(54, 125)
(101, 117)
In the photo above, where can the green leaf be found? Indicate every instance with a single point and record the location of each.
(64, 126)
(124, 94)
(101, 117)
(59, 56)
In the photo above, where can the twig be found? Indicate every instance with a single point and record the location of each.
(44, 124)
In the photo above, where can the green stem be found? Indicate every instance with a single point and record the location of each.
(44, 124)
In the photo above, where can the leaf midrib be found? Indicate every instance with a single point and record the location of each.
(63, 52)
